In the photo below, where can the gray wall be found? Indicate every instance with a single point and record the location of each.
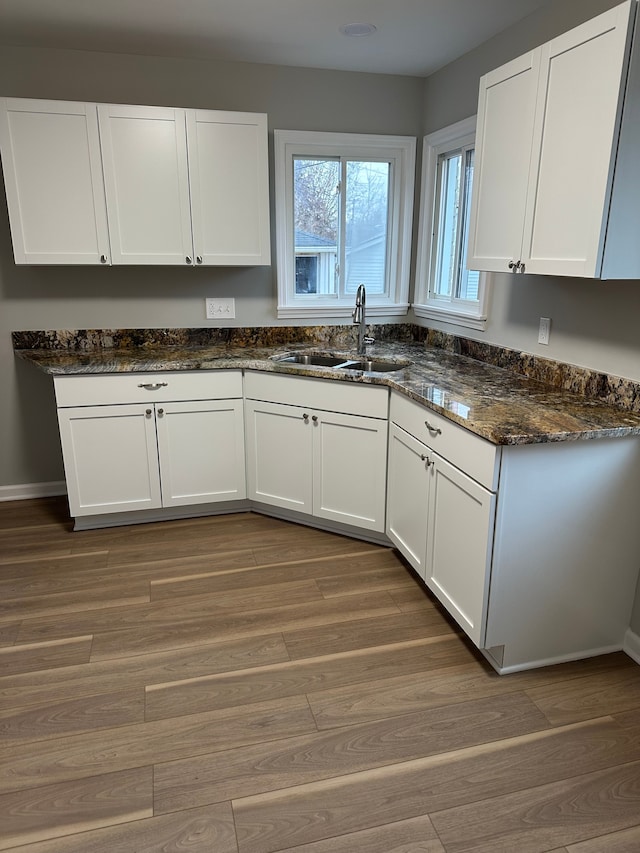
(138, 297)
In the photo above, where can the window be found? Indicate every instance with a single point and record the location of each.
(445, 288)
(343, 218)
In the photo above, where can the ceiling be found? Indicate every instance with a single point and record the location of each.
(414, 37)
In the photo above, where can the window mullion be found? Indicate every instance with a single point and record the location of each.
(342, 228)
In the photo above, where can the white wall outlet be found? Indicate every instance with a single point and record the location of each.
(544, 332)
(220, 308)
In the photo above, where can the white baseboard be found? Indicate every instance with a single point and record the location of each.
(632, 645)
(27, 491)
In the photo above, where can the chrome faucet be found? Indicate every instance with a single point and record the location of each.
(359, 320)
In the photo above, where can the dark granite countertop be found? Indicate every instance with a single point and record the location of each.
(501, 406)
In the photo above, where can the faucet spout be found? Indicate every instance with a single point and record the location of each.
(359, 318)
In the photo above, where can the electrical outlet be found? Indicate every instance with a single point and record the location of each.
(220, 308)
(544, 332)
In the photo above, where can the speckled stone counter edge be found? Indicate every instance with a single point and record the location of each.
(593, 385)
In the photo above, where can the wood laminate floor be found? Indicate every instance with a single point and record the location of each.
(240, 684)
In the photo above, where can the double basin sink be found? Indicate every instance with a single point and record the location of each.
(311, 359)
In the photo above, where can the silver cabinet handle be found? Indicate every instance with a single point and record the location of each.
(198, 259)
(520, 266)
(188, 259)
(314, 418)
(148, 413)
(160, 412)
(431, 428)
(153, 386)
(103, 259)
(305, 418)
(513, 265)
(427, 460)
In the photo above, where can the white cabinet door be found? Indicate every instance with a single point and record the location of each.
(459, 545)
(408, 497)
(201, 449)
(574, 142)
(53, 178)
(279, 455)
(504, 133)
(228, 168)
(110, 458)
(144, 153)
(349, 469)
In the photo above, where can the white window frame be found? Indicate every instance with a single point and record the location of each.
(460, 312)
(401, 152)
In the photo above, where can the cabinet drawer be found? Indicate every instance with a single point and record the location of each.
(147, 387)
(472, 454)
(330, 395)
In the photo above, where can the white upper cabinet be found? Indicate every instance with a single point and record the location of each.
(229, 171)
(53, 177)
(567, 135)
(501, 175)
(144, 151)
(187, 187)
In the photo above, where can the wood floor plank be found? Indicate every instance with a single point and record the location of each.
(108, 751)
(8, 633)
(176, 634)
(259, 768)
(34, 513)
(415, 598)
(369, 580)
(71, 716)
(178, 542)
(350, 803)
(47, 574)
(533, 820)
(131, 672)
(210, 583)
(209, 830)
(295, 678)
(99, 596)
(344, 706)
(589, 697)
(364, 633)
(297, 550)
(407, 836)
(623, 841)
(44, 655)
(162, 615)
(85, 571)
(52, 811)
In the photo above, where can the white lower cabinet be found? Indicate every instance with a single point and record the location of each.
(442, 521)
(159, 452)
(317, 459)
(532, 549)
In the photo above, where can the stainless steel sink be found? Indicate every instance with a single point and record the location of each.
(312, 358)
(372, 366)
(341, 362)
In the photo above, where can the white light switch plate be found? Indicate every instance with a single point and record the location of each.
(220, 308)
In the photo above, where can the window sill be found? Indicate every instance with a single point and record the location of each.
(459, 318)
(340, 311)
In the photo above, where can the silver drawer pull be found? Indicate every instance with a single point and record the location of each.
(427, 460)
(148, 413)
(433, 429)
(153, 386)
